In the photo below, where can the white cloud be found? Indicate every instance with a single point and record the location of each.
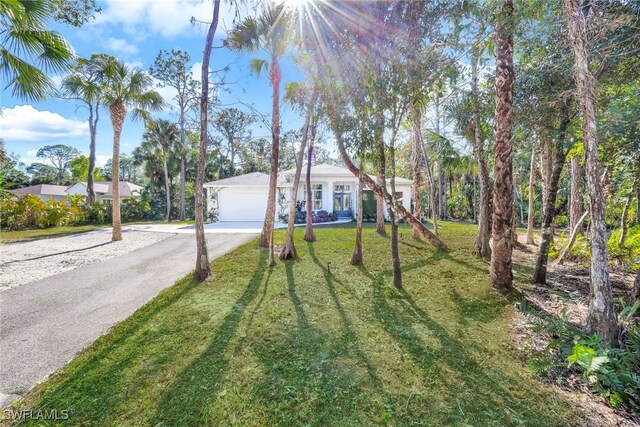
(25, 123)
(168, 18)
(121, 46)
(102, 159)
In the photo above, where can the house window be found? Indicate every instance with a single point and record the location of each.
(316, 196)
(342, 189)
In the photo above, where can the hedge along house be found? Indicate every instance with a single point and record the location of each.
(243, 198)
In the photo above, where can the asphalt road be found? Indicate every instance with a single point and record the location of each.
(44, 324)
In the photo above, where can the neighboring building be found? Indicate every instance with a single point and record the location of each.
(59, 192)
(103, 190)
(46, 192)
(244, 197)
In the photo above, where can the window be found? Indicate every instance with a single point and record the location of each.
(316, 196)
(342, 188)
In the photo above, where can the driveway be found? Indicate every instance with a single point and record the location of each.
(45, 323)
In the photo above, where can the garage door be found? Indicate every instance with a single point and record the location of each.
(242, 204)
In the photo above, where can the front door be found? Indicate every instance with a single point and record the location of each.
(342, 200)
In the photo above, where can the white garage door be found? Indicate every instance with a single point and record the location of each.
(247, 204)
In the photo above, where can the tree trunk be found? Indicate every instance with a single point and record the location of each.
(501, 273)
(382, 191)
(601, 318)
(481, 247)
(549, 208)
(417, 165)
(576, 206)
(358, 255)
(118, 113)
(93, 122)
(574, 233)
(183, 166)
(380, 205)
(203, 268)
(395, 248)
(309, 234)
(532, 173)
(289, 249)
(625, 213)
(546, 164)
(432, 191)
(266, 239)
(514, 221)
(167, 185)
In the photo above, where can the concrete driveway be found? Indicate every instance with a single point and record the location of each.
(44, 324)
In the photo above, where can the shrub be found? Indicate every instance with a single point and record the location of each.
(135, 210)
(29, 212)
(57, 214)
(613, 373)
(316, 217)
(23, 213)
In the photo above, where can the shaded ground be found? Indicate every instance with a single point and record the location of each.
(565, 297)
(299, 345)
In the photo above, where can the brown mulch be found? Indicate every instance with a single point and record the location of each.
(566, 296)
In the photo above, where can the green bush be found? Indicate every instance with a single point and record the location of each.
(135, 210)
(22, 213)
(31, 212)
(611, 372)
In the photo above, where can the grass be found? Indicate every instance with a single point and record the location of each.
(44, 233)
(298, 345)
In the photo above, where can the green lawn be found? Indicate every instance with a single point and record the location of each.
(297, 345)
(44, 233)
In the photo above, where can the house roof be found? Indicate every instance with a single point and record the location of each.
(253, 179)
(104, 188)
(325, 170)
(42, 189)
(285, 178)
(126, 188)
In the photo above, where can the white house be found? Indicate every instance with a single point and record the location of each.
(103, 190)
(244, 197)
(46, 192)
(60, 192)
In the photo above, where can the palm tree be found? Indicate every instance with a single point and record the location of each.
(24, 41)
(83, 85)
(501, 273)
(268, 32)
(162, 135)
(123, 88)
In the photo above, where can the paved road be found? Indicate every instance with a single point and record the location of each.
(44, 324)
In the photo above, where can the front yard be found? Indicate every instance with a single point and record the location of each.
(299, 345)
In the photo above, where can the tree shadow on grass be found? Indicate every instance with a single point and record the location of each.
(186, 401)
(473, 392)
(349, 336)
(92, 380)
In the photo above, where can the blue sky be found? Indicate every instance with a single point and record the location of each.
(135, 31)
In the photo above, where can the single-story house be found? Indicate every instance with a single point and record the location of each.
(244, 197)
(57, 193)
(45, 192)
(103, 190)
